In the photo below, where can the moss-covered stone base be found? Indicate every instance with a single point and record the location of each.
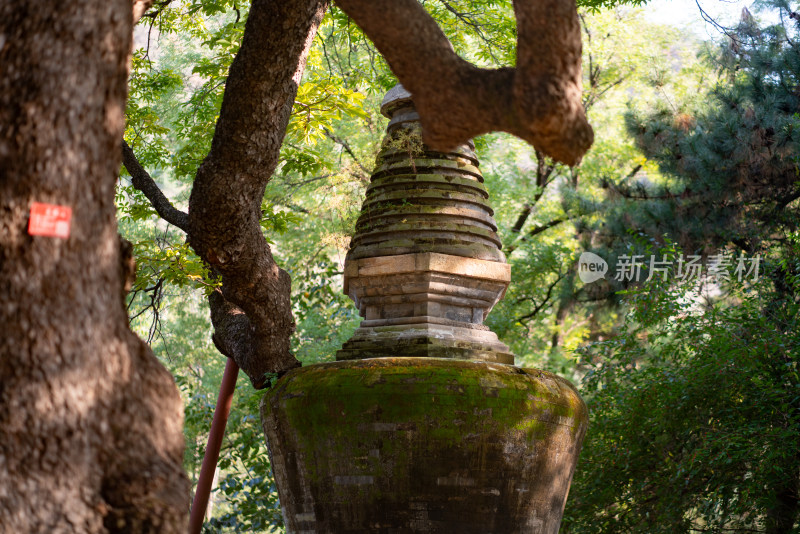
(400, 445)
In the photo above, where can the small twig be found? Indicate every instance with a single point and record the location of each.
(467, 20)
(344, 144)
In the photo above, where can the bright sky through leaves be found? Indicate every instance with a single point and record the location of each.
(686, 14)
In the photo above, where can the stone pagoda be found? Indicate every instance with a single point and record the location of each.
(425, 265)
(423, 425)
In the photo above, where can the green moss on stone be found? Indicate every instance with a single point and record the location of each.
(357, 441)
(327, 403)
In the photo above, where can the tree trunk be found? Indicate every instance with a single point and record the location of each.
(90, 422)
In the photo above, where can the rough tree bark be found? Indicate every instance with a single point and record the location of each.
(225, 204)
(90, 422)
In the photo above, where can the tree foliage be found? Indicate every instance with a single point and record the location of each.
(695, 416)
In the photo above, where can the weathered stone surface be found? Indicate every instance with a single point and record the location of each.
(425, 340)
(438, 277)
(424, 201)
(402, 445)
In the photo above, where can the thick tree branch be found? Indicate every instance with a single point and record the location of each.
(224, 207)
(787, 199)
(142, 181)
(539, 229)
(233, 334)
(523, 218)
(539, 101)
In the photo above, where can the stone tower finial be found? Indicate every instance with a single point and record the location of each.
(396, 98)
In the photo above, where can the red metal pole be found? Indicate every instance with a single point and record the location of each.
(221, 413)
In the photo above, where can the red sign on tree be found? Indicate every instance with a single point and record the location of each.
(50, 220)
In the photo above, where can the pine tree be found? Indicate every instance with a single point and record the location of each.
(733, 159)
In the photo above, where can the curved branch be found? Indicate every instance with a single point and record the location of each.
(224, 207)
(346, 146)
(536, 231)
(538, 101)
(142, 181)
